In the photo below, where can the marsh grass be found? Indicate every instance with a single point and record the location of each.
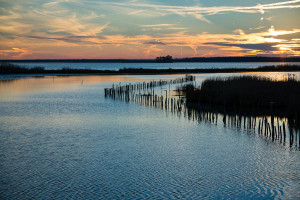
(8, 68)
(250, 94)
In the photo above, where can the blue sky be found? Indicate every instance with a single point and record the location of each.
(35, 29)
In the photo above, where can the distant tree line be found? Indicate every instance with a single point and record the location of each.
(8, 68)
(239, 59)
(168, 58)
(164, 59)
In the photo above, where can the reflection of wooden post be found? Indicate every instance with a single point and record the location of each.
(291, 135)
(284, 133)
(266, 121)
(249, 126)
(272, 119)
(269, 127)
(280, 133)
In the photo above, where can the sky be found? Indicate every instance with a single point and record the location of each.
(145, 29)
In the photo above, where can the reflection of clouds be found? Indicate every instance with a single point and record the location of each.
(57, 83)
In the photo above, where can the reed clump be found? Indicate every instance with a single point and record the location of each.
(250, 93)
(8, 68)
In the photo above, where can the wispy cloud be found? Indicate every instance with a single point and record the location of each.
(261, 46)
(200, 12)
(139, 27)
(51, 17)
(161, 27)
(237, 43)
(15, 53)
(157, 25)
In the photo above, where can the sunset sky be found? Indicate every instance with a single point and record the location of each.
(142, 29)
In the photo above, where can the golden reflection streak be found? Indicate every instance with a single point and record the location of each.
(58, 83)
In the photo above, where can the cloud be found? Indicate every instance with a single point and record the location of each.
(157, 25)
(200, 12)
(155, 43)
(238, 42)
(201, 17)
(51, 17)
(152, 51)
(15, 53)
(261, 10)
(160, 27)
(260, 46)
(239, 31)
(72, 25)
(90, 24)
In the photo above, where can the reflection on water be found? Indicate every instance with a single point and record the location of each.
(10, 84)
(281, 129)
(31, 84)
(66, 141)
(176, 65)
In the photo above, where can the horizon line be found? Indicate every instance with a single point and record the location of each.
(153, 59)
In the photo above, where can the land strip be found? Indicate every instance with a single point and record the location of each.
(10, 69)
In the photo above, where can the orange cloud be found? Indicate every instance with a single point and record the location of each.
(15, 53)
(120, 46)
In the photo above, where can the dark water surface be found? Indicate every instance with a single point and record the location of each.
(61, 139)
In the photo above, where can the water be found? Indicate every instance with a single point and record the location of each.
(61, 139)
(117, 66)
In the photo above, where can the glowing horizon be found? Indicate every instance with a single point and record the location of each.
(144, 29)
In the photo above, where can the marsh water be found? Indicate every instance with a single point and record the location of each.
(178, 65)
(60, 138)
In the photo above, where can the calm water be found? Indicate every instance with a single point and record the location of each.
(116, 66)
(61, 139)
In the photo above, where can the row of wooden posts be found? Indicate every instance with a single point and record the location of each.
(129, 91)
(144, 94)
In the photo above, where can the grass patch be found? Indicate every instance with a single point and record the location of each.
(249, 94)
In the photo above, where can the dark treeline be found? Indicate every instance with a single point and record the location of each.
(164, 59)
(193, 59)
(7, 68)
(239, 59)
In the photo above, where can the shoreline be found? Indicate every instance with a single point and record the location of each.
(8, 70)
(14, 76)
